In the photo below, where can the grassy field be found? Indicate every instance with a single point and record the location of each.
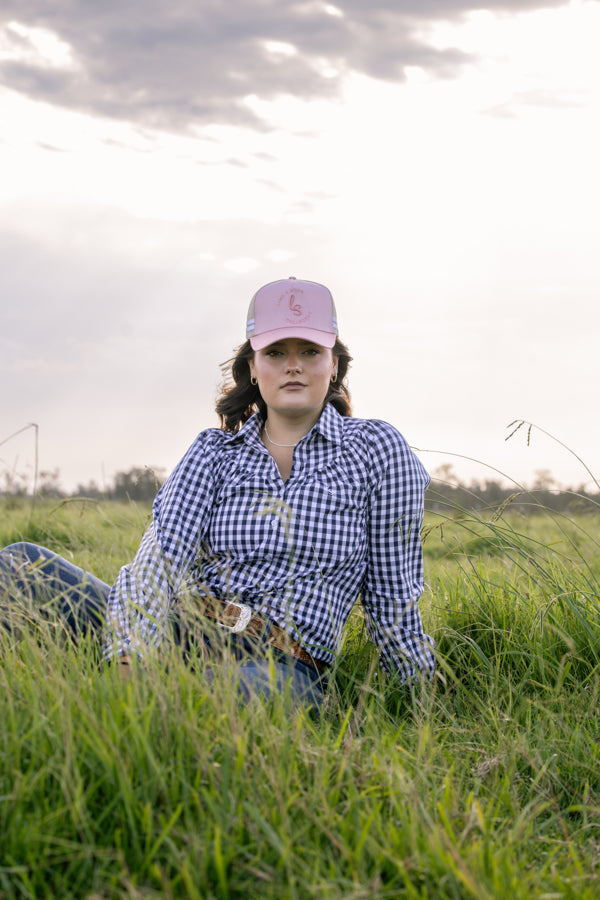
(483, 784)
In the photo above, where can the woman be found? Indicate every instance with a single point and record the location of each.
(272, 525)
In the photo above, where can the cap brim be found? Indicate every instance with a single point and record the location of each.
(323, 338)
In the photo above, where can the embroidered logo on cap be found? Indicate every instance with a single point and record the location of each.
(290, 298)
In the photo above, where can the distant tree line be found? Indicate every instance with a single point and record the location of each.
(139, 484)
(136, 484)
(446, 494)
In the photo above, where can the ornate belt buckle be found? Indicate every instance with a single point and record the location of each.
(243, 618)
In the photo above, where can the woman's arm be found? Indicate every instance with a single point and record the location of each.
(393, 581)
(146, 588)
(139, 600)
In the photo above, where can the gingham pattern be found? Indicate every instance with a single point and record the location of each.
(346, 522)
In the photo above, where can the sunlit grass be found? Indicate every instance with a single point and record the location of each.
(484, 783)
(98, 536)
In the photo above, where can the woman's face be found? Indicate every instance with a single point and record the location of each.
(294, 376)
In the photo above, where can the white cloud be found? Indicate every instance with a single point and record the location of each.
(38, 47)
(278, 256)
(281, 47)
(242, 265)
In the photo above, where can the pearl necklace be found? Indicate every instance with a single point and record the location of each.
(275, 444)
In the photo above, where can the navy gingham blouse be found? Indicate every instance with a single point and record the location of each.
(346, 522)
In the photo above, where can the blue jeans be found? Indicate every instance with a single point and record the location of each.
(79, 599)
(47, 580)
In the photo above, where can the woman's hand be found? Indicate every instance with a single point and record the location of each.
(124, 665)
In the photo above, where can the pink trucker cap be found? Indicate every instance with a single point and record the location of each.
(291, 308)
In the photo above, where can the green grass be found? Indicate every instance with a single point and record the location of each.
(484, 784)
(99, 537)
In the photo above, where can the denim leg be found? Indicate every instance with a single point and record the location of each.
(48, 580)
(261, 677)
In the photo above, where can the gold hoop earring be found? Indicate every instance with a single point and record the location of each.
(334, 378)
(253, 380)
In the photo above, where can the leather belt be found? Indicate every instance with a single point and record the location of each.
(240, 618)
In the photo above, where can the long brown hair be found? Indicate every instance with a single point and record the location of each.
(240, 399)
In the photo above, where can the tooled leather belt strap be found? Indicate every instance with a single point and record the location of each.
(241, 620)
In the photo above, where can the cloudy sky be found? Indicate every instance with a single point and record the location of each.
(434, 163)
